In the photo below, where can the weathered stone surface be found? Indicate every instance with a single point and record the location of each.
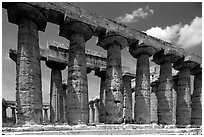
(165, 89)
(75, 27)
(91, 112)
(127, 103)
(28, 78)
(136, 50)
(111, 37)
(102, 74)
(142, 94)
(96, 111)
(114, 94)
(196, 112)
(94, 59)
(183, 105)
(57, 12)
(77, 86)
(17, 11)
(154, 102)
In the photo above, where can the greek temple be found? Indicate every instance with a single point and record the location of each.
(166, 100)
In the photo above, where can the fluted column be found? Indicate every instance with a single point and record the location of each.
(142, 89)
(28, 69)
(102, 74)
(166, 114)
(113, 43)
(56, 91)
(91, 112)
(183, 104)
(154, 102)
(127, 113)
(196, 113)
(77, 87)
(96, 111)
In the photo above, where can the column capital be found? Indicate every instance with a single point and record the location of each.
(181, 64)
(55, 65)
(155, 83)
(91, 103)
(175, 77)
(136, 50)
(89, 70)
(75, 27)
(111, 38)
(17, 11)
(45, 108)
(165, 55)
(12, 107)
(127, 75)
(196, 70)
(96, 101)
(100, 72)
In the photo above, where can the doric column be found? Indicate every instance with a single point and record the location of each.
(56, 91)
(102, 74)
(174, 92)
(113, 43)
(45, 114)
(65, 101)
(4, 114)
(77, 87)
(91, 112)
(142, 89)
(196, 113)
(28, 76)
(166, 113)
(183, 103)
(96, 111)
(127, 103)
(154, 102)
(13, 110)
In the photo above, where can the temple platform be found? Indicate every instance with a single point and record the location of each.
(102, 129)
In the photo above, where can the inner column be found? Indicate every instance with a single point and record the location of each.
(102, 74)
(127, 113)
(56, 91)
(77, 87)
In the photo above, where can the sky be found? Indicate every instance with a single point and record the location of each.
(178, 23)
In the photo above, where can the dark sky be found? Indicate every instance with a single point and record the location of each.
(174, 22)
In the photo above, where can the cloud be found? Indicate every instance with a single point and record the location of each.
(191, 35)
(186, 36)
(136, 15)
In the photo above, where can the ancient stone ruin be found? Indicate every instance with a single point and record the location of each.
(164, 101)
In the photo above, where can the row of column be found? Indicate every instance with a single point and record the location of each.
(29, 88)
(13, 112)
(187, 108)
